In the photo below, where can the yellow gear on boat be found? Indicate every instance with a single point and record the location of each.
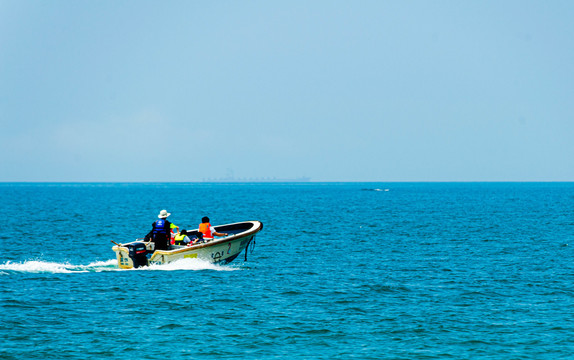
(179, 239)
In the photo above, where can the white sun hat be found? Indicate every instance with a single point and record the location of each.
(163, 214)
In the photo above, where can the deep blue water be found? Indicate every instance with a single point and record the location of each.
(340, 271)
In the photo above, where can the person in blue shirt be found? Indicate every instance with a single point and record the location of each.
(160, 233)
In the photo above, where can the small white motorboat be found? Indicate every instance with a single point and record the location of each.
(224, 249)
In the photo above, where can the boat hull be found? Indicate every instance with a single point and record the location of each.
(220, 250)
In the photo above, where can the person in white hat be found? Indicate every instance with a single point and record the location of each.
(161, 231)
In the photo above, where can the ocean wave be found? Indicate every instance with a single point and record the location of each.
(189, 264)
(38, 266)
(34, 266)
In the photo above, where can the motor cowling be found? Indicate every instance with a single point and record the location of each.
(138, 252)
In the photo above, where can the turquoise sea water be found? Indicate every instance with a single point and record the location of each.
(340, 271)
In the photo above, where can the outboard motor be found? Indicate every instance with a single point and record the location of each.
(138, 253)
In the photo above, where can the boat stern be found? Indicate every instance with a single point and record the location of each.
(123, 257)
(132, 255)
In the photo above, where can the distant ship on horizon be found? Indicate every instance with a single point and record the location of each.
(257, 179)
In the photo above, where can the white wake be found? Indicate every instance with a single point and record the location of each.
(38, 266)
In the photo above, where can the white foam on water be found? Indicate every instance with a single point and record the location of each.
(111, 262)
(107, 265)
(189, 264)
(36, 266)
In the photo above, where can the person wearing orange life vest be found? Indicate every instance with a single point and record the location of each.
(207, 230)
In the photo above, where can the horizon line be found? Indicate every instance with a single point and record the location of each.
(282, 182)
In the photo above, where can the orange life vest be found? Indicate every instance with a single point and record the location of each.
(205, 229)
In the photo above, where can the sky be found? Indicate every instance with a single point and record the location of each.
(183, 91)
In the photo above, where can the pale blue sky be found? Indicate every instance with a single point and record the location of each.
(332, 90)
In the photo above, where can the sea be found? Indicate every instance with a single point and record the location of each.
(339, 271)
